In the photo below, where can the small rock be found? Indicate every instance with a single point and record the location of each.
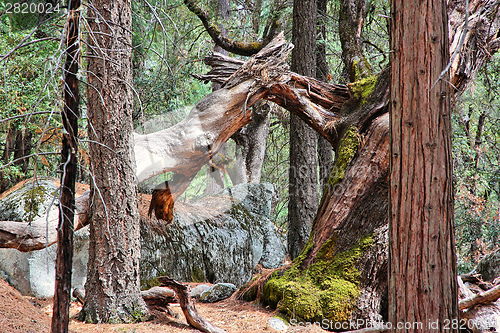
(277, 324)
(198, 290)
(217, 292)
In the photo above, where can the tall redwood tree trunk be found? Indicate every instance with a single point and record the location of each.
(112, 287)
(422, 259)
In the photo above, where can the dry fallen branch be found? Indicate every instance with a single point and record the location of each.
(192, 316)
(157, 298)
(485, 297)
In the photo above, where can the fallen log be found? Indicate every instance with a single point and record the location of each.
(41, 232)
(157, 298)
(484, 297)
(192, 316)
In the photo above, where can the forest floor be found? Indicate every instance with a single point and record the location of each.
(21, 314)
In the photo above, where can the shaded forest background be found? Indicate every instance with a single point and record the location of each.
(169, 43)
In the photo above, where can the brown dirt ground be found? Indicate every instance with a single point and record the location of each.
(21, 314)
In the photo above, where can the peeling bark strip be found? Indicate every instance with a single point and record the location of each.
(192, 316)
(70, 115)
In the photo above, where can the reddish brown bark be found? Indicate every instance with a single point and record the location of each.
(422, 258)
(113, 288)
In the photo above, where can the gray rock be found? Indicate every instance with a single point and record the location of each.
(217, 292)
(219, 238)
(489, 266)
(255, 197)
(277, 324)
(33, 273)
(198, 290)
(29, 201)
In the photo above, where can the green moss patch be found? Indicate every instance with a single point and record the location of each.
(327, 288)
(347, 149)
(363, 88)
(197, 275)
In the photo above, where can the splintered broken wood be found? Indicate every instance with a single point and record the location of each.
(214, 119)
(192, 316)
(185, 147)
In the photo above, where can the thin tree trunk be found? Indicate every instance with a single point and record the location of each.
(215, 176)
(69, 161)
(325, 150)
(303, 179)
(256, 133)
(351, 17)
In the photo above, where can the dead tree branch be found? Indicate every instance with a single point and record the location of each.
(192, 316)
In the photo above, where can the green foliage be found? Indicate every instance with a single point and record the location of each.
(276, 167)
(477, 167)
(30, 82)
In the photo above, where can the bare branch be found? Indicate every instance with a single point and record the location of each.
(241, 48)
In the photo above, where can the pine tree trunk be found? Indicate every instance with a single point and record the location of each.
(112, 287)
(303, 179)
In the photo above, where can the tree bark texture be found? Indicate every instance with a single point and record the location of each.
(18, 144)
(303, 179)
(422, 257)
(69, 161)
(257, 132)
(113, 288)
(351, 17)
(325, 150)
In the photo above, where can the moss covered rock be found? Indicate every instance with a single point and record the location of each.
(327, 288)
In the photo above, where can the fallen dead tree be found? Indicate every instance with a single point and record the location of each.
(184, 148)
(41, 232)
(157, 298)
